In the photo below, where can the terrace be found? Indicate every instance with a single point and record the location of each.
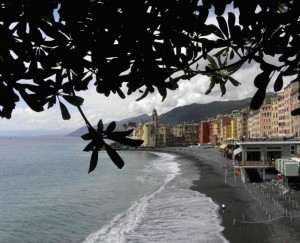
(255, 164)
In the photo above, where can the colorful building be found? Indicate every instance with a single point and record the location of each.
(204, 132)
(153, 133)
(274, 103)
(265, 118)
(295, 104)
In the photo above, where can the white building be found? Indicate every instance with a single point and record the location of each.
(261, 155)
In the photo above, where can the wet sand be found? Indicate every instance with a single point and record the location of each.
(253, 212)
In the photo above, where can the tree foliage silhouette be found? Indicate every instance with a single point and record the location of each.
(52, 48)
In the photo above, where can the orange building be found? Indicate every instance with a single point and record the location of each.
(204, 132)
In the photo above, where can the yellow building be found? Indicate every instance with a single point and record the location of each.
(213, 130)
(178, 130)
(154, 133)
(222, 122)
(274, 103)
(256, 125)
(186, 133)
(227, 132)
(146, 134)
(234, 125)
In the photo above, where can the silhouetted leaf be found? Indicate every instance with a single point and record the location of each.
(278, 83)
(51, 101)
(223, 88)
(219, 53)
(258, 99)
(223, 25)
(231, 23)
(111, 127)
(54, 57)
(122, 133)
(91, 145)
(211, 86)
(120, 93)
(32, 101)
(73, 100)
(83, 84)
(212, 62)
(257, 58)
(33, 88)
(233, 69)
(94, 160)
(115, 157)
(292, 68)
(36, 34)
(87, 136)
(163, 92)
(172, 84)
(262, 80)
(124, 140)
(211, 29)
(295, 112)
(100, 126)
(64, 111)
(52, 32)
(233, 81)
(267, 67)
(144, 95)
(203, 14)
(231, 55)
(219, 7)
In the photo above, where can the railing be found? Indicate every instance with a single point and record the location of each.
(255, 163)
(287, 138)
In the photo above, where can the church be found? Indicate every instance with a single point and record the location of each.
(154, 133)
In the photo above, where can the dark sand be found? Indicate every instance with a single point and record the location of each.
(252, 214)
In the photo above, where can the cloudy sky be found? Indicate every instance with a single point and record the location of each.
(113, 108)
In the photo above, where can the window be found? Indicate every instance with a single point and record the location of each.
(293, 149)
(272, 155)
(253, 155)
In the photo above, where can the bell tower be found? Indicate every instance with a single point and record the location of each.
(154, 118)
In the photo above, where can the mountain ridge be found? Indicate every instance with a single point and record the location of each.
(198, 112)
(187, 113)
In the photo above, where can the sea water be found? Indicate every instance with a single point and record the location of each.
(46, 195)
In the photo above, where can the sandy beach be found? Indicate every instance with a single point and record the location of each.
(254, 212)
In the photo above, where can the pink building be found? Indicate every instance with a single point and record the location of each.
(265, 120)
(295, 103)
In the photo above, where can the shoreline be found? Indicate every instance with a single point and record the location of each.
(249, 215)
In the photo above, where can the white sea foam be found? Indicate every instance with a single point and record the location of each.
(171, 213)
(125, 223)
(167, 164)
(179, 216)
(167, 167)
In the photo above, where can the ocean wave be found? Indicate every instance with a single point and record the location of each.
(171, 213)
(125, 223)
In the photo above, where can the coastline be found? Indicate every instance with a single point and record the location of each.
(249, 215)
